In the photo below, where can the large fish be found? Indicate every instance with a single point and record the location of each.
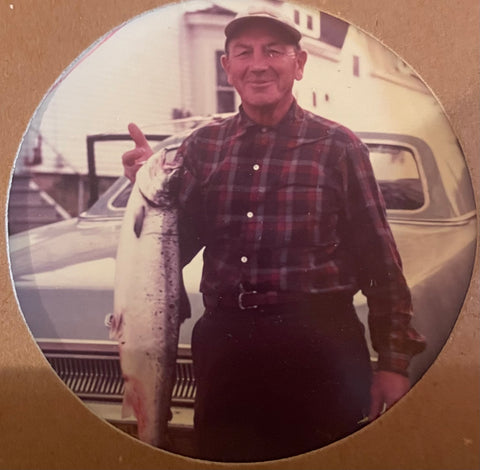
(146, 315)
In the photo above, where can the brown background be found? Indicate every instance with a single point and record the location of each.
(43, 425)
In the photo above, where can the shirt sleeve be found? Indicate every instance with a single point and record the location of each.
(378, 265)
(190, 205)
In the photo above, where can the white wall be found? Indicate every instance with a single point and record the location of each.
(132, 76)
(165, 59)
(376, 99)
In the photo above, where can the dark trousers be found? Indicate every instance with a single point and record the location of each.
(278, 382)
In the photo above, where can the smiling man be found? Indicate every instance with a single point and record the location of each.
(262, 67)
(293, 224)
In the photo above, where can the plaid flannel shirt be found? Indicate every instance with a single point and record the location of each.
(295, 207)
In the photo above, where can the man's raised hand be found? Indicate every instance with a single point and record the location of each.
(134, 159)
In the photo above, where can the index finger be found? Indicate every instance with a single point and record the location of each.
(137, 135)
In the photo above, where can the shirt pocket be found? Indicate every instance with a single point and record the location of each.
(303, 209)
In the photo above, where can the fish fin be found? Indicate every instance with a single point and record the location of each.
(139, 218)
(127, 409)
(115, 325)
(127, 406)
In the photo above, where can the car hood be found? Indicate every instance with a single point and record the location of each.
(82, 252)
(60, 253)
(424, 249)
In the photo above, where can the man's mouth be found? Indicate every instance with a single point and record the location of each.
(259, 82)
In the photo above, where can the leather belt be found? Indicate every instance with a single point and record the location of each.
(253, 300)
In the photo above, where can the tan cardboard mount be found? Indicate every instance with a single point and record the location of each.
(43, 425)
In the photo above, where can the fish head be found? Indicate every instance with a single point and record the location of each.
(159, 180)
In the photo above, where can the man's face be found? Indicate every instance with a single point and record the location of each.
(262, 68)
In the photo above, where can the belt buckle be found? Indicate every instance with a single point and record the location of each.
(240, 300)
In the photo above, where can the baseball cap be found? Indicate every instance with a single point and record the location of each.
(260, 13)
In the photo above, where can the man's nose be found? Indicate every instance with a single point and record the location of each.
(259, 61)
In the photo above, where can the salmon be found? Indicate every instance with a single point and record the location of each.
(146, 316)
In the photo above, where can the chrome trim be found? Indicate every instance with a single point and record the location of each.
(112, 219)
(450, 222)
(91, 369)
(88, 346)
(77, 346)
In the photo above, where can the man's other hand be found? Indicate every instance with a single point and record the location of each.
(387, 388)
(134, 159)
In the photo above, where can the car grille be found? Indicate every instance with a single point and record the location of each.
(98, 376)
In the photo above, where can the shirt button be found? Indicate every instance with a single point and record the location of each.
(243, 259)
(263, 130)
(256, 167)
(249, 215)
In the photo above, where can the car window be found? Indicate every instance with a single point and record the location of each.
(395, 169)
(120, 201)
(397, 174)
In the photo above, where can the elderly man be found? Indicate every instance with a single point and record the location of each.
(293, 224)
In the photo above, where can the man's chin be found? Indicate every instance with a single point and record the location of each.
(261, 102)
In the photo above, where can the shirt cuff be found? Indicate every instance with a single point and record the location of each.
(401, 347)
(394, 362)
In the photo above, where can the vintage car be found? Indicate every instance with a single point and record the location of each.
(63, 273)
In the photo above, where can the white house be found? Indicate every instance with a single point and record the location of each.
(164, 65)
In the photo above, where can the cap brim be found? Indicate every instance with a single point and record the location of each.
(238, 24)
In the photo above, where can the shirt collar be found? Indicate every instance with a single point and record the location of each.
(294, 113)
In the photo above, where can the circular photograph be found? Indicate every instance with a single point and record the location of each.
(240, 230)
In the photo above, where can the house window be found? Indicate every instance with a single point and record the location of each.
(310, 22)
(225, 92)
(296, 16)
(333, 30)
(356, 66)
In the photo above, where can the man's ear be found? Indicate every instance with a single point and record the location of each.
(301, 60)
(225, 61)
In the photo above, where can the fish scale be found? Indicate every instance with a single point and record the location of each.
(146, 315)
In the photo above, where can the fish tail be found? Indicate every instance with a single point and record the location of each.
(134, 404)
(127, 408)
